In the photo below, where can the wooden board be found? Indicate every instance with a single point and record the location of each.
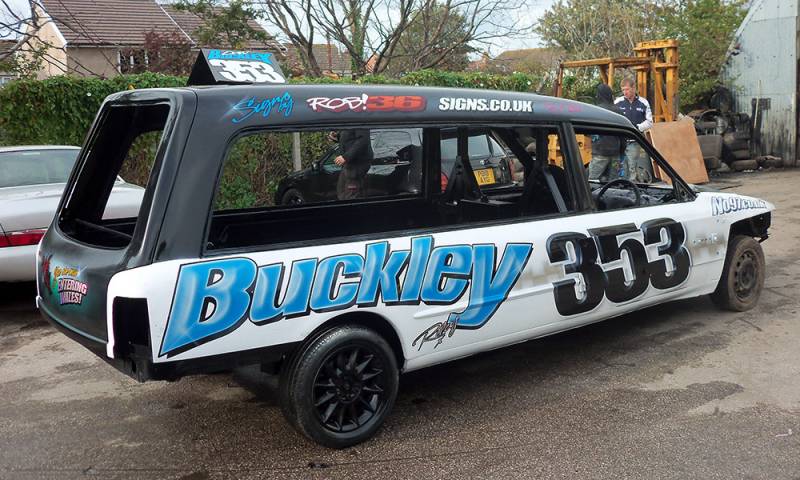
(677, 143)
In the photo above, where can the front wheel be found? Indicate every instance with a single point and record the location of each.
(742, 275)
(341, 386)
(293, 197)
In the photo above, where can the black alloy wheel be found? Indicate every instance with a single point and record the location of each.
(349, 389)
(338, 387)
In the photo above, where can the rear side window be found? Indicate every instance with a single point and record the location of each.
(278, 187)
(268, 169)
(101, 208)
(36, 167)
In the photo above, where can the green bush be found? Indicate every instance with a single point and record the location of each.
(60, 110)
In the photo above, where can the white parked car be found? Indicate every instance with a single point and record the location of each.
(32, 179)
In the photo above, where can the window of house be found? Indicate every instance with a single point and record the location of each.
(132, 61)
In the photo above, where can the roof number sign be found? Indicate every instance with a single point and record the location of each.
(232, 66)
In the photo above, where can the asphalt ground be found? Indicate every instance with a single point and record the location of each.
(681, 390)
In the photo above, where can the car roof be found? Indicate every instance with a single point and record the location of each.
(222, 98)
(27, 148)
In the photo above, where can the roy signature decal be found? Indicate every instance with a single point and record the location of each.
(214, 298)
(579, 254)
(250, 106)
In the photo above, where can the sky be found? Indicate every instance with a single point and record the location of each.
(526, 15)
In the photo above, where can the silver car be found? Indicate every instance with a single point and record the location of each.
(32, 179)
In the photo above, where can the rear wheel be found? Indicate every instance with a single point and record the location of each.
(341, 386)
(742, 275)
(293, 197)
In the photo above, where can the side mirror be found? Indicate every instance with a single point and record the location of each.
(315, 166)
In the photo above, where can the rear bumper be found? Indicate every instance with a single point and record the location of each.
(138, 363)
(18, 264)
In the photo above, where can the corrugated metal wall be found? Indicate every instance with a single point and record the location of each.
(764, 72)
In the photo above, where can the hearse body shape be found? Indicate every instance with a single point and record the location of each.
(341, 296)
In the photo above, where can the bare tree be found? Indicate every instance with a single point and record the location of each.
(371, 30)
(295, 20)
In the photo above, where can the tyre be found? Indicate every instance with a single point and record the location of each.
(742, 165)
(742, 275)
(340, 386)
(741, 154)
(293, 197)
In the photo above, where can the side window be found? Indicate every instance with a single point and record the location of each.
(270, 169)
(492, 164)
(620, 171)
(503, 172)
(279, 187)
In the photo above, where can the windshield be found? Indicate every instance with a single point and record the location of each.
(34, 167)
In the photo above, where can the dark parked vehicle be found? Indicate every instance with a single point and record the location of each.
(396, 166)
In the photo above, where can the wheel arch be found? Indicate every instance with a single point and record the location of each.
(369, 320)
(755, 226)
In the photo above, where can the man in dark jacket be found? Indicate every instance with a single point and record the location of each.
(605, 148)
(638, 166)
(355, 159)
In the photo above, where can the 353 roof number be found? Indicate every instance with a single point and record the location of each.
(244, 71)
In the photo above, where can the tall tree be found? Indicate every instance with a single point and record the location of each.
(705, 29)
(224, 22)
(602, 28)
(434, 38)
(610, 28)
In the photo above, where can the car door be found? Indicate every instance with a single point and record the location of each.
(643, 243)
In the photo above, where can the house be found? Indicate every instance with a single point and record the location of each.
(6, 46)
(95, 37)
(331, 60)
(527, 60)
(762, 75)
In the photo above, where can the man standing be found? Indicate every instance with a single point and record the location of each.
(636, 109)
(605, 148)
(355, 157)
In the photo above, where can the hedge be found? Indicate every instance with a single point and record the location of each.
(60, 110)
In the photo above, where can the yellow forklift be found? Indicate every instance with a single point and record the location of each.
(655, 61)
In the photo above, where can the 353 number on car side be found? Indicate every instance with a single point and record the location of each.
(587, 255)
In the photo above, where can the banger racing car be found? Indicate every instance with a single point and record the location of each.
(341, 296)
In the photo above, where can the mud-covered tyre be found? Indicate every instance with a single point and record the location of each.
(338, 389)
(742, 275)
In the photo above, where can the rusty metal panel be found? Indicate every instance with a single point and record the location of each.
(761, 71)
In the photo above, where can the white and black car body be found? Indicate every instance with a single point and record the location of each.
(150, 296)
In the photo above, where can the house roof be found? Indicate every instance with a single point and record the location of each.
(125, 22)
(189, 23)
(328, 56)
(108, 22)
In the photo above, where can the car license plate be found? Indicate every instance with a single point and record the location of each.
(485, 176)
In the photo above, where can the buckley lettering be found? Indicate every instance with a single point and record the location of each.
(214, 298)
